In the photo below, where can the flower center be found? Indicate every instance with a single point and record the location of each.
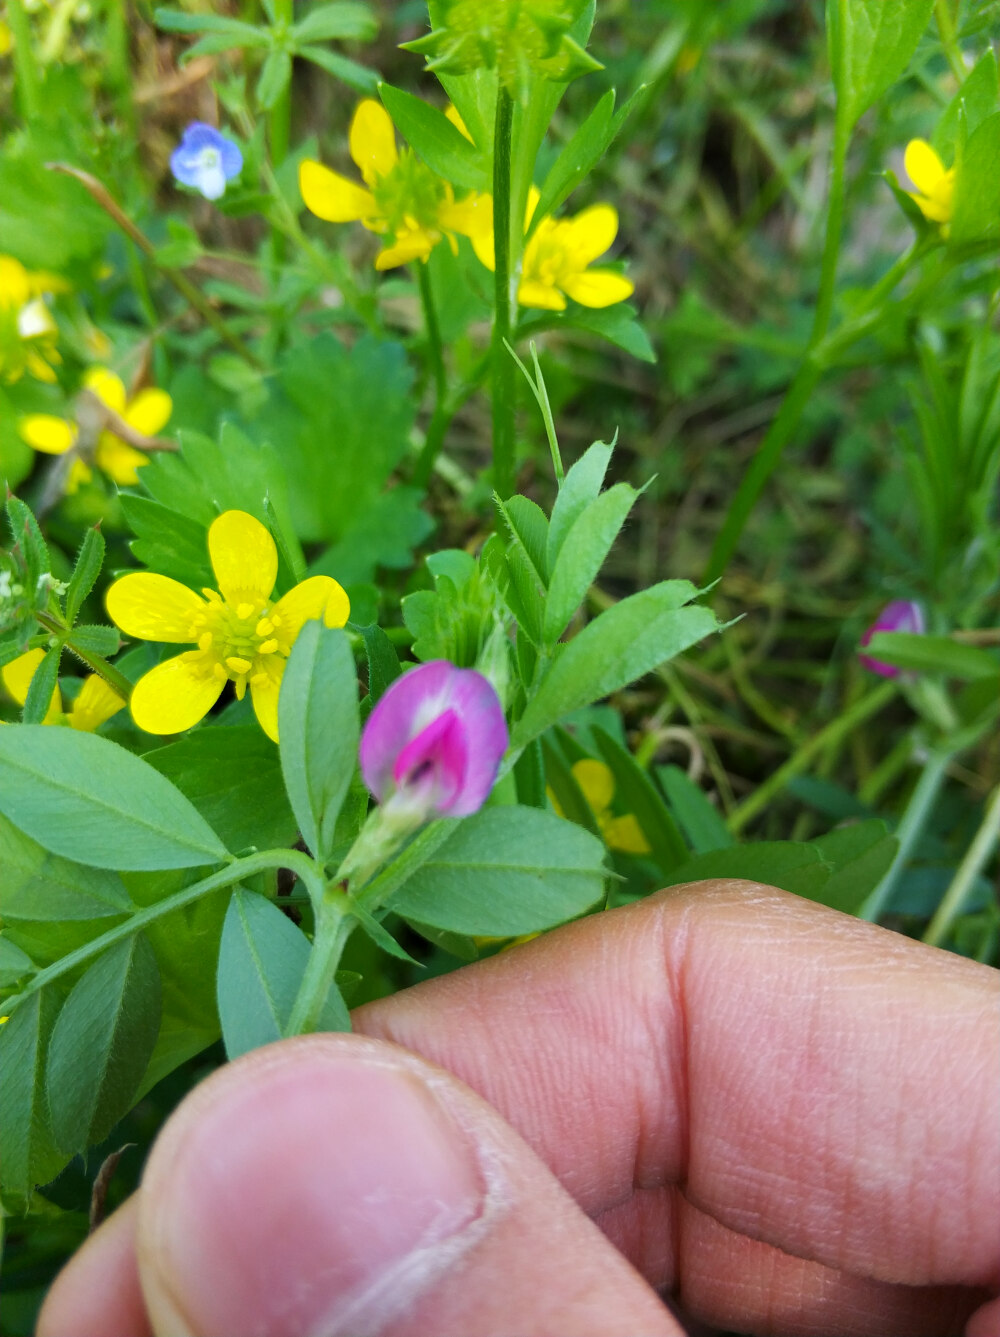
(548, 259)
(239, 639)
(409, 194)
(210, 159)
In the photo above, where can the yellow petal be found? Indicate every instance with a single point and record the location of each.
(149, 411)
(625, 834)
(44, 432)
(471, 217)
(14, 286)
(373, 141)
(118, 459)
(331, 196)
(39, 368)
(592, 232)
(151, 607)
(78, 473)
(94, 703)
(598, 287)
(319, 596)
(454, 115)
(108, 388)
(482, 244)
(176, 694)
(17, 676)
(936, 210)
(540, 295)
(534, 195)
(264, 689)
(244, 558)
(596, 782)
(923, 166)
(409, 246)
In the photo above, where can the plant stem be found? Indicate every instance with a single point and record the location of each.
(949, 39)
(25, 66)
(440, 417)
(187, 290)
(503, 363)
(333, 928)
(804, 382)
(236, 871)
(953, 901)
(800, 759)
(909, 831)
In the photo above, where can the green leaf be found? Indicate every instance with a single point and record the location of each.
(89, 561)
(636, 793)
(262, 959)
(861, 855)
(528, 527)
(318, 725)
(275, 76)
(95, 639)
(699, 821)
(976, 99)
(215, 43)
(44, 682)
(101, 1043)
(232, 775)
(617, 324)
(14, 964)
(506, 871)
(347, 71)
(786, 864)
(25, 531)
(871, 42)
(582, 153)
(624, 643)
(341, 21)
(933, 654)
(89, 799)
(36, 885)
(381, 936)
(580, 487)
(568, 794)
(174, 20)
(383, 662)
(432, 136)
(581, 555)
(977, 185)
(28, 1154)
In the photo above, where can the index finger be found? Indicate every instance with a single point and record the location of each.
(811, 1081)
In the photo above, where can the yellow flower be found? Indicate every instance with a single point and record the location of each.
(147, 413)
(27, 331)
(935, 187)
(557, 259)
(402, 199)
(242, 637)
(597, 785)
(93, 704)
(6, 39)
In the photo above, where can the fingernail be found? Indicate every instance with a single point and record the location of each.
(311, 1192)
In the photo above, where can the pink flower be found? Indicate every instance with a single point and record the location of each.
(434, 741)
(900, 615)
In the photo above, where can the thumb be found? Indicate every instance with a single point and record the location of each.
(339, 1185)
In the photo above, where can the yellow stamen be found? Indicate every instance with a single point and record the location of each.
(239, 665)
(268, 647)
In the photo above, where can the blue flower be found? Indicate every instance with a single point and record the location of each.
(206, 160)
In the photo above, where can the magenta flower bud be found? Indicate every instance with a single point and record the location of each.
(434, 741)
(900, 615)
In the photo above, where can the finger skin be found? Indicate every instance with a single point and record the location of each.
(97, 1294)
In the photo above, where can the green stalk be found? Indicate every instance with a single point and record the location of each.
(953, 901)
(914, 819)
(26, 72)
(799, 393)
(236, 871)
(440, 416)
(949, 39)
(333, 928)
(503, 363)
(801, 758)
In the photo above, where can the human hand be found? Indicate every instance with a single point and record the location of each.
(787, 1118)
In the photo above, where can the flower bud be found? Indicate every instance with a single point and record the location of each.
(432, 745)
(900, 615)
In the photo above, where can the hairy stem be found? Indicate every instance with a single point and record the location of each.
(440, 417)
(333, 928)
(503, 363)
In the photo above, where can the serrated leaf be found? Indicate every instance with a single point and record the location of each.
(318, 725)
(28, 1154)
(383, 662)
(581, 556)
(89, 799)
(89, 561)
(621, 645)
(36, 885)
(95, 639)
(262, 958)
(101, 1043)
(433, 138)
(582, 153)
(503, 872)
(340, 21)
(871, 42)
(976, 99)
(528, 527)
(977, 185)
